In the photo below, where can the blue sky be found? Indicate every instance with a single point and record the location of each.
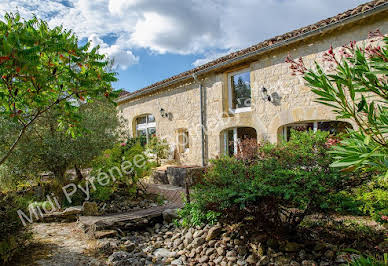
(154, 39)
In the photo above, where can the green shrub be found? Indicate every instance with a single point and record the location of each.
(367, 199)
(192, 215)
(12, 233)
(370, 261)
(111, 161)
(159, 148)
(287, 182)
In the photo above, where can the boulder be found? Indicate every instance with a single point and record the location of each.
(164, 253)
(119, 256)
(214, 232)
(170, 215)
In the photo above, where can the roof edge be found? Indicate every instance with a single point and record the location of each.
(189, 75)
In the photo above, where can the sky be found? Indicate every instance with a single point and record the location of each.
(150, 40)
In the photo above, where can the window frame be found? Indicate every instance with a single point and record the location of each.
(145, 126)
(230, 92)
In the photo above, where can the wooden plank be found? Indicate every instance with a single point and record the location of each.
(118, 220)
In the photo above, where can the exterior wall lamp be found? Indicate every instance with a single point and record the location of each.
(163, 113)
(273, 98)
(264, 94)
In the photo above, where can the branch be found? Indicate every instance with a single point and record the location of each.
(23, 130)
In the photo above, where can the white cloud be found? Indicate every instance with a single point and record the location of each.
(122, 58)
(176, 26)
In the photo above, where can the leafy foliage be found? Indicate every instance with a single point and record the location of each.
(47, 149)
(287, 182)
(159, 148)
(356, 89)
(112, 160)
(12, 233)
(192, 215)
(42, 68)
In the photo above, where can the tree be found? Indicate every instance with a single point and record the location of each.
(47, 149)
(42, 68)
(356, 89)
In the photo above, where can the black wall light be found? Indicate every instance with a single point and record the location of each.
(264, 93)
(163, 113)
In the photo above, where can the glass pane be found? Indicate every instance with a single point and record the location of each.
(230, 142)
(141, 132)
(141, 120)
(241, 90)
(151, 132)
(151, 119)
(299, 127)
(334, 127)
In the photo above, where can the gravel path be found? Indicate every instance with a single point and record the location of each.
(60, 244)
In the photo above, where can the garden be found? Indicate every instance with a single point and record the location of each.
(316, 199)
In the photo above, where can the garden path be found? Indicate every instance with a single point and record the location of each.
(60, 244)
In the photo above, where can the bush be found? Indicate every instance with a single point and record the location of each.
(111, 161)
(367, 199)
(285, 183)
(12, 233)
(192, 215)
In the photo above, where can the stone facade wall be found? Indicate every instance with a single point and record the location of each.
(269, 71)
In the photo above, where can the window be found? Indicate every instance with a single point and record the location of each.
(239, 86)
(334, 127)
(183, 140)
(233, 136)
(146, 126)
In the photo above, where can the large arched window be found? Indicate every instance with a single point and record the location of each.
(145, 126)
(334, 127)
(233, 136)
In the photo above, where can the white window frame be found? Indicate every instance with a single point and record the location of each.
(230, 94)
(226, 141)
(315, 127)
(145, 126)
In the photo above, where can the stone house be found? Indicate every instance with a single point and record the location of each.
(206, 111)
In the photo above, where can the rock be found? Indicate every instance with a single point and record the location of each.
(90, 209)
(164, 253)
(105, 234)
(231, 259)
(198, 233)
(198, 241)
(203, 259)
(302, 254)
(129, 246)
(209, 251)
(252, 259)
(177, 262)
(220, 251)
(264, 260)
(231, 253)
(170, 215)
(177, 242)
(119, 256)
(214, 232)
(309, 263)
(329, 254)
(342, 258)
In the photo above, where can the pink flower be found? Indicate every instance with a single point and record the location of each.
(331, 50)
(123, 144)
(384, 218)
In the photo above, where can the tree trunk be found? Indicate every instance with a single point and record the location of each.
(78, 172)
